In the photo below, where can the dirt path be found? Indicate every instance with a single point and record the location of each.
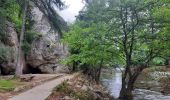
(41, 92)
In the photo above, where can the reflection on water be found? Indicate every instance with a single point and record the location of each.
(112, 80)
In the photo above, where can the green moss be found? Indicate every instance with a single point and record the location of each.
(6, 85)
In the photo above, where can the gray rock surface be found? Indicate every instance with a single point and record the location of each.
(46, 51)
(10, 44)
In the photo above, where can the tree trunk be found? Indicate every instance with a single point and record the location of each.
(20, 56)
(167, 62)
(99, 72)
(75, 68)
(126, 91)
(127, 87)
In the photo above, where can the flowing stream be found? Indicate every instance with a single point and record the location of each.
(112, 81)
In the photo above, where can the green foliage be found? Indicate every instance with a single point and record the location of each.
(158, 61)
(30, 36)
(88, 45)
(4, 52)
(13, 12)
(162, 15)
(2, 23)
(63, 87)
(9, 11)
(118, 30)
(26, 47)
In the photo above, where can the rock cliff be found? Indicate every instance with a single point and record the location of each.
(10, 45)
(46, 50)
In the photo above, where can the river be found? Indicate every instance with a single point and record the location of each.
(112, 81)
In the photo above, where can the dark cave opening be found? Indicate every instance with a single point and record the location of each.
(32, 70)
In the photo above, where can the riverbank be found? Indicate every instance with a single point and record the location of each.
(152, 84)
(155, 79)
(80, 87)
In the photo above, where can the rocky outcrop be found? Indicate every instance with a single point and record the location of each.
(46, 51)
(10, 45)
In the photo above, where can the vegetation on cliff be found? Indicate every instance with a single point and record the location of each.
(18, 13)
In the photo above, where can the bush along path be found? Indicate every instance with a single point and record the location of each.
(42, 91)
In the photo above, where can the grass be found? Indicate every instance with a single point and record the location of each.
(64, 87)
(7, 85)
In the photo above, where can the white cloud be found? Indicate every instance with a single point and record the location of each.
(74, 6)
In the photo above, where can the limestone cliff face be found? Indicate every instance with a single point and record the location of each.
(46, 51)
(10, 43)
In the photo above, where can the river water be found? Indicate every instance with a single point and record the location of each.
(112, 81)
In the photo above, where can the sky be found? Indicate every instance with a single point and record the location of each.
(74, 6)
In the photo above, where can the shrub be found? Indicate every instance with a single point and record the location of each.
(30, 36)
(64, 87)
(4, 52)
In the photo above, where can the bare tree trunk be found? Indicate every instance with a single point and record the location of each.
(20, 56)
(74, 67)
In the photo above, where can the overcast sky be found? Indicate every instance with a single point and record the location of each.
(74, 6)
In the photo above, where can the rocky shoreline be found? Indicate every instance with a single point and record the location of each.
(148, 81)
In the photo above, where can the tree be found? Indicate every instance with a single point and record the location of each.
(137, 34)
(135, 31)
(88, 48)
(20, 56)
(162, 14)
